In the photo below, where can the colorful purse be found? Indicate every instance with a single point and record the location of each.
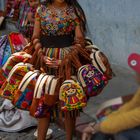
(23, 96)
(14, 78)
(91, 79)
(71, 94)
(38, 108)
(10, 63)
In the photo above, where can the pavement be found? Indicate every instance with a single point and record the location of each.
(123, 84)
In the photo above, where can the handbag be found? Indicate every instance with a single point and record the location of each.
(10, 63)
(14, 78)
(91, 79)
(23, 96)
(38, 108)
(71, 93)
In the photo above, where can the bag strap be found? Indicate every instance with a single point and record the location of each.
(97, 62)
(53, 86)
(48, 84)
(7, 62)
(23, 54)
(27, 79)
(15, 68)
(40, 86)
(37, 85)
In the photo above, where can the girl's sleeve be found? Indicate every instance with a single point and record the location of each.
(121, 122)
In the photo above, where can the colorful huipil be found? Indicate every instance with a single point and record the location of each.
(55, 22)
(57, 27)
(57, 30)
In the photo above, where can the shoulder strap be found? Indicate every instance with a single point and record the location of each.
(15, 68)
(37, 83)
(53, 86)
(23, 54)
(50, 77)
(27, 79)
(97, 62)
(40, 86)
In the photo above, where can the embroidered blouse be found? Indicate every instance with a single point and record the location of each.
(57, 22)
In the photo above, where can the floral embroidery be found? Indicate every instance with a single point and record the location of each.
(53, 24)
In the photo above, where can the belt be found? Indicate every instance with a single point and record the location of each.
(56, 41)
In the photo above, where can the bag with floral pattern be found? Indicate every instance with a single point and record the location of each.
(14, 78)
(10, 63)
(23, 96)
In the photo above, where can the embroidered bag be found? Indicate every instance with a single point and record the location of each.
(91, 79)
(14, 78)
(10, 63)
(38, 108)
(23, 96)
(71, 94)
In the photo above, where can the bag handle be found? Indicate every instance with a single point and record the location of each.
(48, 83)
(13, 70)
(37, 85)
(97, 62)
(41, 84)
(15, 67)
(5, 65)
(24, 54)
(53, 86)
(27, 79)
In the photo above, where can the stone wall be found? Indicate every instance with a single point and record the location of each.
(115, 27)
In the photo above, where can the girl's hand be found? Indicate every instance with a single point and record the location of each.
(86, 136)
(88, 131)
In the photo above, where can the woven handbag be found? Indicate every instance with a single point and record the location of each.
(14, 78)
(38, 108)
(71, 94)
(10, 63)
(91, 79)
(23, 96)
